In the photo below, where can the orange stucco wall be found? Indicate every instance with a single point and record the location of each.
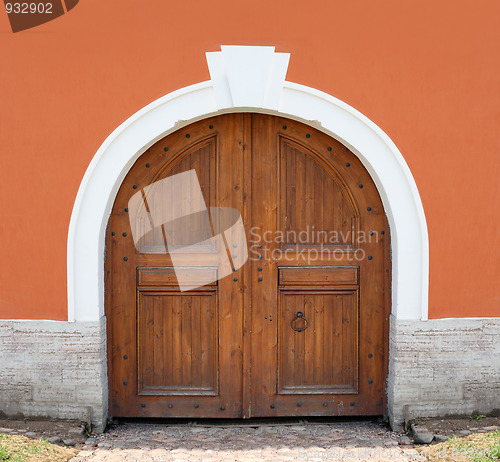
(426, 72)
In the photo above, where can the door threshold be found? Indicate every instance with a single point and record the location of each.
(253, 422)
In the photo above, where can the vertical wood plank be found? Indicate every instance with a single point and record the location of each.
(167, 345)
(319, 204)
(196, 342)
(207, 342)
(286, 363)
(177, 332)
(309, 339)
(298, 345)
(334, 338)
(187, 340)
(319, 347)
(159, 359)
(247, 269)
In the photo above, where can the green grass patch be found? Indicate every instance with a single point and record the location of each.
(480, 447)
(16, 448)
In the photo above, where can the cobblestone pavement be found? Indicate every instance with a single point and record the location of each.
(300, 440)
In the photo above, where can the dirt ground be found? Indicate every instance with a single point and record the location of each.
(65, 429)
(455, 425)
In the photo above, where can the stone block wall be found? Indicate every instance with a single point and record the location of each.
(443, 367)
(54, 369)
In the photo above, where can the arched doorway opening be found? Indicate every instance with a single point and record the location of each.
(233, 71)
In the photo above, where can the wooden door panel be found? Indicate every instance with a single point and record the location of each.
(323, 358)
(315, 206)
(176, 353)
(166, 277)
(157, 199)
(177, 343)
(318, 330)
(318, 276)
(326, 262)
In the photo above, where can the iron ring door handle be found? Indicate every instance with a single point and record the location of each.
(299, 315)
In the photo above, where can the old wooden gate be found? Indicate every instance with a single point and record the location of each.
(301, 328)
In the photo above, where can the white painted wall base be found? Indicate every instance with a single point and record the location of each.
(443, 367)
(54, 369)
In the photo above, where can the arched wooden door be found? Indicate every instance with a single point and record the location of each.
(301, 328)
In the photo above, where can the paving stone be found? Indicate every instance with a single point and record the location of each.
(464, 432)
(54, 440)
(375, 443)
(492, 428)
(423, 437)
(69, 442)
(6, 430)
(440, 438)
(414, 456)
(404, 440)
(119, 444)
(31, 435)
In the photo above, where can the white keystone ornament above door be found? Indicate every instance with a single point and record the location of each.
(248, 76)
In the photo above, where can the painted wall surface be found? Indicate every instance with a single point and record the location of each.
(426, 72)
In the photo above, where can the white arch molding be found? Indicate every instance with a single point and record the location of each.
(247, 79)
